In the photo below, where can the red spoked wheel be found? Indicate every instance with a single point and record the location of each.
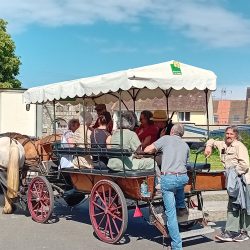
(108, 211)
(40, 199)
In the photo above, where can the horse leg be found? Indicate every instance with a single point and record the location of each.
(24, 173)
(12, 177)
(7, 209)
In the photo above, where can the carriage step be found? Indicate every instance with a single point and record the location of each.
(197, 232)
(193, 214)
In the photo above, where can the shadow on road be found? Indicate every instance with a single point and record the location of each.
(202, 239)
(138, 228)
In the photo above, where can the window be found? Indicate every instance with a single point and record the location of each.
(59, 108)
(68, 107)
(216, 118)
(184, 116)
(236, 118)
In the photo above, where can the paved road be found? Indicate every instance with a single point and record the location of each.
(71, 229)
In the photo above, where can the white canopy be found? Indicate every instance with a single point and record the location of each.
(138, 83)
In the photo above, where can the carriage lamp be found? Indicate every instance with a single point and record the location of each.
(27, 107)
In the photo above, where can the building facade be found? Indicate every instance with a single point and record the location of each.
(63, 113)
(229, 112)
(15, 117)
(185, 109)
(232, 111)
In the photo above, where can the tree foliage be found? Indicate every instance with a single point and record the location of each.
(9, 62)
(245, 138)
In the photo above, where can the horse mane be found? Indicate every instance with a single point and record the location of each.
(49, 139)
(14, 135)
(43, 140)
(13, 165)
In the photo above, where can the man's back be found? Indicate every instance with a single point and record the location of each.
(175, 153)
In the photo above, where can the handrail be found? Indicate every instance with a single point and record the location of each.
(82, 151)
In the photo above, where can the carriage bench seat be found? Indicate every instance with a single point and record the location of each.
(79, 151)
(109, 172)
(191, 166)
(100, 152)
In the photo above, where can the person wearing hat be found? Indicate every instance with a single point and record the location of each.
(102, 110)
(163, 123)
(160, 121)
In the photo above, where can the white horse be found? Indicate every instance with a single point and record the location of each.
(12, 157)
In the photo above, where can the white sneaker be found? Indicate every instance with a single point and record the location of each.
(241, 237)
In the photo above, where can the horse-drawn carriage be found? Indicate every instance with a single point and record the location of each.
(112, 193)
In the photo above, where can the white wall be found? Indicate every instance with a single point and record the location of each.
(13, 114)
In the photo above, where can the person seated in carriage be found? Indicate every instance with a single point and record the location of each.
(100, 137)
(102, 110)
(67, 140)
(163, 123)
(82, 139)
(131, 142)
(147, 131)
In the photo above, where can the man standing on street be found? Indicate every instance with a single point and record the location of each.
(234, 155)
(175, 154)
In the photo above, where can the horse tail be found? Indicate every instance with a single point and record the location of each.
(13, 171)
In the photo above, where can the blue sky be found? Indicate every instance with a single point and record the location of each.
(60, 40)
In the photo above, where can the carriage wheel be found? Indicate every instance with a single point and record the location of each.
(108, 211)
(40, 199)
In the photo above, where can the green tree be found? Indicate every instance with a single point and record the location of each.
(9, 62)
(248, 118)
(245, 138)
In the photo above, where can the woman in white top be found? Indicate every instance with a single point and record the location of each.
(82, 140)
(67, 140)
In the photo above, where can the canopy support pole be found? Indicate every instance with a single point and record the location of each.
(167, 94)
(84, 122)
(120, 118)
(118, 99)
(121, 130)
(134, 99)
(206, 94)
(54, 118)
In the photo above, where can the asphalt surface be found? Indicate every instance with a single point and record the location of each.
(71, 229)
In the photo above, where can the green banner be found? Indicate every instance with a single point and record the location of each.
(176, 68)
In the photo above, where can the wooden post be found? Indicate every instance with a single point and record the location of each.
(206, 93)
